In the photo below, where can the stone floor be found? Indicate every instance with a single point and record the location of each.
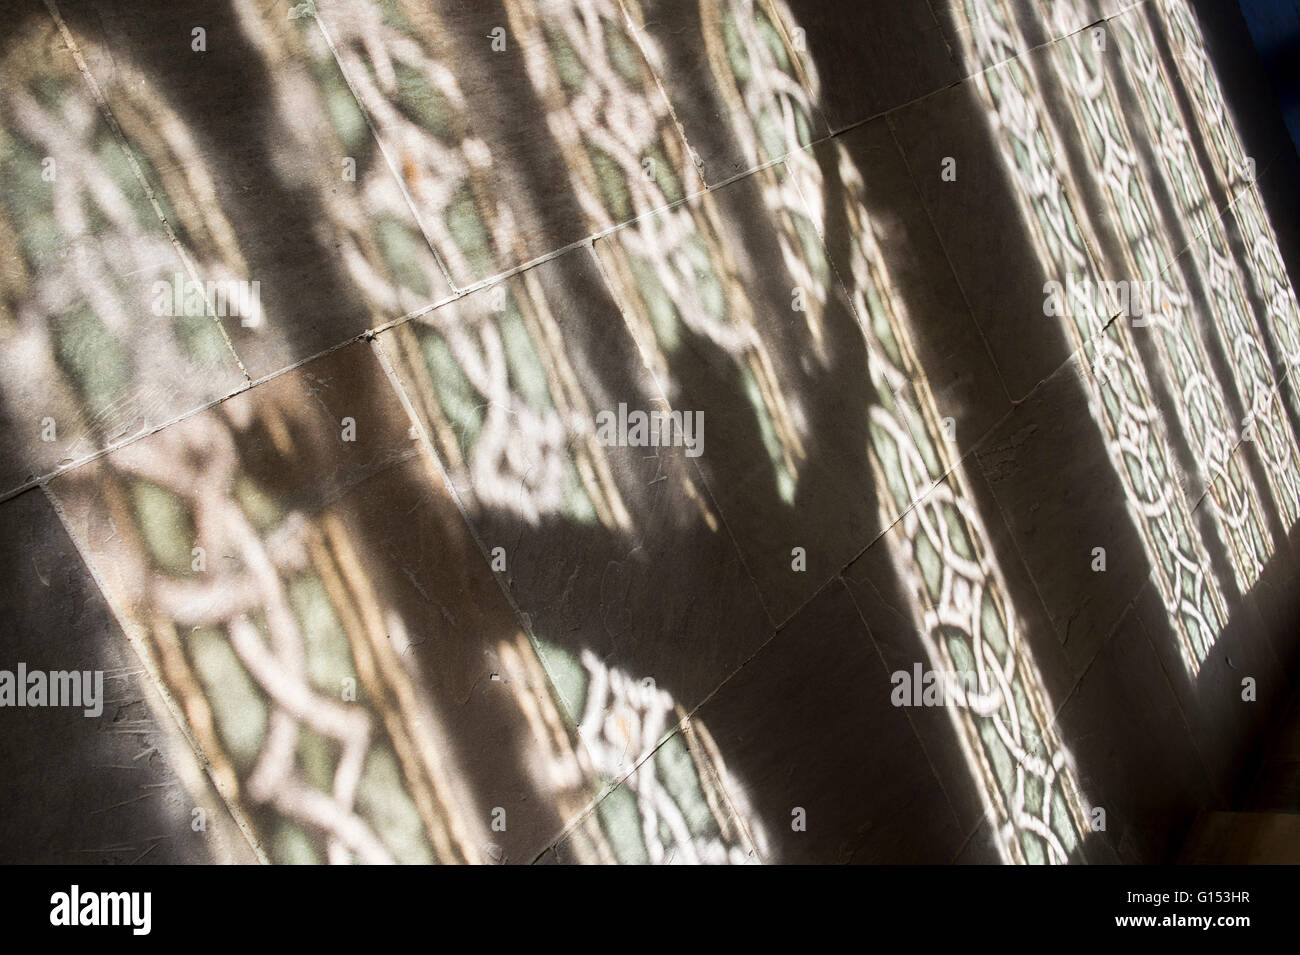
(966, 530)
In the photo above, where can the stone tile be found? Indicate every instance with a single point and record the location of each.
(263, 161)
(888, 588)
(841, 753)
(982, 229)
(1048, 470)
(615, 553)
(866, 209)
(871, 57)
(1050, 659)
(341, 652)
(108, 784)
(509, 154)
(86, 360)
(1134, 752)
(741, 91)
(469, 654)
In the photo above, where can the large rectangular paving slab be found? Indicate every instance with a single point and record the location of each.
(87, 359)
(110, 781)
(1054, 481)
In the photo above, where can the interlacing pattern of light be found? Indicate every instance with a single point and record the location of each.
(967, 622)
(84, 248)
(965, 619)
(210, 635)
(521, 446)
(256, 647)
(1235, 173)
(1199, 402)
(1220, 275)
(253, 650)
(1119, 392)
(681, 810)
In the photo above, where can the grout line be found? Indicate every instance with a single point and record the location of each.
(108, 449)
